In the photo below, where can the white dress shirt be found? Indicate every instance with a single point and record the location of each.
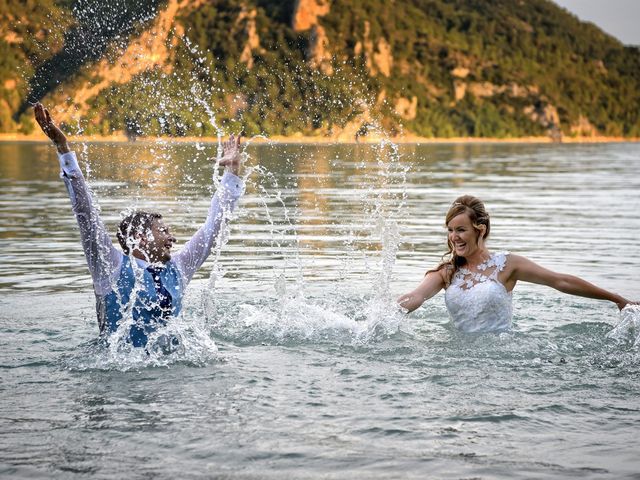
(104, 260)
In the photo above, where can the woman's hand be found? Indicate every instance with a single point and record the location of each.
(231, 154)
(431, 284)
(49, 128)
(623, 302)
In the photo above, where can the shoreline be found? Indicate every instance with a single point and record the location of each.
(310, 140)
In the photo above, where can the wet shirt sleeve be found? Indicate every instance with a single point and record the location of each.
(103, 258)
(197, 249)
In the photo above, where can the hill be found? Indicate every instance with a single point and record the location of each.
(433, 68)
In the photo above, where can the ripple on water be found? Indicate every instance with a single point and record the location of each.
(325, 378)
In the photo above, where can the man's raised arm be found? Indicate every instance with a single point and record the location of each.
(198, 248)
(103, 259)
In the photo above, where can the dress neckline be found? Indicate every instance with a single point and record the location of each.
(481, 267)
(466, 279)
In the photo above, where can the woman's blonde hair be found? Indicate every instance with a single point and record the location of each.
(478, 215)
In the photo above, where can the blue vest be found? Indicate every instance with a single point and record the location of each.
(147, 313)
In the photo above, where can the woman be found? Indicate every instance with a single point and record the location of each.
(479, 283)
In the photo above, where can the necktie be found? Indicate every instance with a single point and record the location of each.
(164, 297)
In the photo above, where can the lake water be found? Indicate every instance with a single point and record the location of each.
(295, 363)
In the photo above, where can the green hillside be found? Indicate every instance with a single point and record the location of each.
(433, 68)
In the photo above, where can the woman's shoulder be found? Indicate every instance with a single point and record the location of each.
(442, 266)
(510, 259)
(497, 259)
(510, 256)
(506, 256)
(443, 270)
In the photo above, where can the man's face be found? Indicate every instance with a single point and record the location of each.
(158, 242)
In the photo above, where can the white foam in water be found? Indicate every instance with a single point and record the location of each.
(293, 314)
(182, 340)
(628, 330)
(300, 319)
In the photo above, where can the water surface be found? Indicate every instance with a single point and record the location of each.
(296, 364)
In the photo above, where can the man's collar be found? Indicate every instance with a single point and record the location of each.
(141, 263)
(144, 264)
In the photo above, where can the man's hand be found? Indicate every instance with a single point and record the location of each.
(49, 128)
(231, 155)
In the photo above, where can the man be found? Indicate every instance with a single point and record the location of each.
(142, 288)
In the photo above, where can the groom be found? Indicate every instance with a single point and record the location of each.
(141, 286)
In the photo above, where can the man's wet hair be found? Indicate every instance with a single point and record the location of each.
(136, 223)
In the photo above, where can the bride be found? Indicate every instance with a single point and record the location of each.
(478, 283)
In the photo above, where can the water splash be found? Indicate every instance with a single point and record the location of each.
(300, 314)
(183, 340)
(628, 329)
(297, 310)
(295, 318)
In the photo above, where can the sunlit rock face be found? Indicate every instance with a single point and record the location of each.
(306, 13)
(544, 114)
(583, 127)
(153, 49)
(305, 18)
(319, 55)
(378, 55)
(407, 108)
(248, 19)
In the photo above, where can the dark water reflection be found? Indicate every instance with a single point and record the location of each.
(313, 377)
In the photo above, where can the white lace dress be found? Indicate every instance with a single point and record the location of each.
(477, 301)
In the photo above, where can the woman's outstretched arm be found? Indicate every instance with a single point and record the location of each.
(432, 283)
(528, 271)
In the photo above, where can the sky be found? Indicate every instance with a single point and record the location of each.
(619, 18)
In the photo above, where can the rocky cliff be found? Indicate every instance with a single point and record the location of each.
(430, 68)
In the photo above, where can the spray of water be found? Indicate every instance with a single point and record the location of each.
(627, 331)
(293, 310)
(296, 311)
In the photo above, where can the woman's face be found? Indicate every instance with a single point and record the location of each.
(462, 236)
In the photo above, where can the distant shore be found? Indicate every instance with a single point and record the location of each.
(301, 139)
